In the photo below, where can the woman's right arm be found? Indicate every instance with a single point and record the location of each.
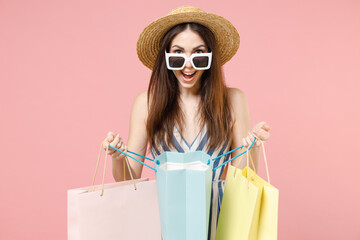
(137, 141)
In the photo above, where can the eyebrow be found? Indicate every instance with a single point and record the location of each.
(193, 48)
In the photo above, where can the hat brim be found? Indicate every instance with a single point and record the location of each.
(226, 35)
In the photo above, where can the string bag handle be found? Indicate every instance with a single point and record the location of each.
(247, 167)
(247, 163)
(265, 160)
(235, 156)
(91, 188)
(128, 151)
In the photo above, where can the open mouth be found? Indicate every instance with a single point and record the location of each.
(188, 76)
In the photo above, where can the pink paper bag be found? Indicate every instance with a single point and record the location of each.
(120, 213)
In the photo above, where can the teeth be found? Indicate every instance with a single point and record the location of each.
(188, 73)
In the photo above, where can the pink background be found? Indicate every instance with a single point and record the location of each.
(69, 73)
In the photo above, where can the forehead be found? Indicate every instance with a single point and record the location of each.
(187, 38)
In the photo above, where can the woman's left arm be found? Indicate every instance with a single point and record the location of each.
(240, 132)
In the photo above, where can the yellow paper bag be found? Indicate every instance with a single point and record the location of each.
(266, 226)
(239, 212)
(249, 208)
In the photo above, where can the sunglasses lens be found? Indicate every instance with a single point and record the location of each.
(176, 62)
(201, 62)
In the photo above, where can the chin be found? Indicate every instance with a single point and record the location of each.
(188, 84)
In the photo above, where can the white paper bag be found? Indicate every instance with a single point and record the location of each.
(120, 213)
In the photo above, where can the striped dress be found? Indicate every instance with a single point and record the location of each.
(199, 144)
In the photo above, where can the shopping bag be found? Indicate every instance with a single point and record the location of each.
(184, 183)
(268, 211)
(249, 206)
(114, 211)
(121, 213)
(184, 189)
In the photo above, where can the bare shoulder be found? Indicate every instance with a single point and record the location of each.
(140, 105)
(237, 97)
(141, 98)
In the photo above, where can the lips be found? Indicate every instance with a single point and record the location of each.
(188, 73)
(186, 77)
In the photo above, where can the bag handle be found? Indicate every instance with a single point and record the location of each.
(126, 160)
(96, 169)
(247, 162)
(235, 156)
(128, 151)
(227, 153)
(103, 179)
(266, 165)
(135, 158)
(247, 167)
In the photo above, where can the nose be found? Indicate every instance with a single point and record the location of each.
(188, 62)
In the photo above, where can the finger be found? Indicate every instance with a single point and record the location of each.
(244, 142)
(106, 146)
(116, 151)
(258, 125)
(266, 127)
(115, 154)
(248, 140)
(255, 131)
(255, 134)
(108, 149)
(111, 151)
(264, 135)
(252, 137)
(257, 142)
(122, 148)
(113, 144)
(111, 136)
(115, 138)
(261, 125)
(120, 142)
(116, 141)
(105, 143)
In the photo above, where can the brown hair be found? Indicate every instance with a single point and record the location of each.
(163, 95)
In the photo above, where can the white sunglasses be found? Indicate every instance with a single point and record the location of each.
(177, 61)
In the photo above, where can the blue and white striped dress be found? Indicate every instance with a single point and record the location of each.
(199, 144)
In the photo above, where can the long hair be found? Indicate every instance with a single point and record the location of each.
(164, 95)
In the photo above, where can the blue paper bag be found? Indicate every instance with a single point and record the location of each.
(184, 190)
(184, 183)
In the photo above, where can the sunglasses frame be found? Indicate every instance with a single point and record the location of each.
(187, 59)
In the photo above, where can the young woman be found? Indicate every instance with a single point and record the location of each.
(187, 106)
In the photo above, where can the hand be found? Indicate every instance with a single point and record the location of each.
(260, 131)
(116, 141)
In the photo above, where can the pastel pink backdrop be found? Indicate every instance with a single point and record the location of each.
(69, 73)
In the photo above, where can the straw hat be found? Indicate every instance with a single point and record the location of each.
(226, 35)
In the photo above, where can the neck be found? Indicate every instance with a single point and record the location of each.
(190, 93)
(187, 95)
